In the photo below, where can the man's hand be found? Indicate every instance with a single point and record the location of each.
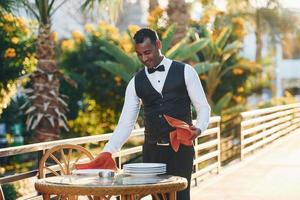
(195, 132)
(103, 161)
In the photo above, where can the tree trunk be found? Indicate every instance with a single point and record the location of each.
(47, 115)
(152, 5)
(178, 13)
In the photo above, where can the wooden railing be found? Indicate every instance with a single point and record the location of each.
(207, 148)
(262, 126)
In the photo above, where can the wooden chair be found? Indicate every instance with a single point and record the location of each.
(60, 160)
(1, 194)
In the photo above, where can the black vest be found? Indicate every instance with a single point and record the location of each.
(174, 101)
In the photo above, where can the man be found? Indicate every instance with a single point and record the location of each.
(164, 87)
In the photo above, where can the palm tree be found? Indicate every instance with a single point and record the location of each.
(46, 106)
(178, 14)
(152, 5)
(269, 19)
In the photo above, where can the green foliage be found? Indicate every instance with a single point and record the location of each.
(93, 119)
(97, 88)
(16, 54)
(275, 101)
(128, 64)
(224, 71)
(167, 38)
(10, 192)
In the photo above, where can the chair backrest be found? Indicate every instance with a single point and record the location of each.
(60, 160)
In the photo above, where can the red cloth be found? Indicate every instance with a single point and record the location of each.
(103, 161)
(181, 135)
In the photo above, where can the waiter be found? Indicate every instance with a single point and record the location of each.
(163, 87)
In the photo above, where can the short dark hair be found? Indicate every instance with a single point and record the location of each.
(142, 34)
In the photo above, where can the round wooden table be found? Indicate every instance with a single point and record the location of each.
(128, 187)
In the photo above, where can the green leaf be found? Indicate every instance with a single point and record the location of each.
(233, 47)
(223, 37)
(115, 69)
(167, 37)
(189, 50)
(222, 103)
(194, 58)
(171, 53)
(205, 67)
(138, 65)
(117, 53)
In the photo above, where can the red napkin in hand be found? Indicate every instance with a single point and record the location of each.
(103, 161)
(181, 135)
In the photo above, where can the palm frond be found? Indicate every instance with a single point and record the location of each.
(115, 69)
(167, 38)
(118, 54)
(191, 49)
(222, 103)
(205, 66)
(223, 37)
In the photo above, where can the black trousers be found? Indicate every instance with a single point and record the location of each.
(178, 163)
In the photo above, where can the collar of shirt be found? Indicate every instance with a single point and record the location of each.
(166, 62)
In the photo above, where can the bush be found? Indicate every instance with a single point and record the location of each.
(9, 191)
(96, 103)
(16, 54)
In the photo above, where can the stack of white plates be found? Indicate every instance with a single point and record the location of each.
(144, 169)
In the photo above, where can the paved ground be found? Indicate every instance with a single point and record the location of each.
(272, 173)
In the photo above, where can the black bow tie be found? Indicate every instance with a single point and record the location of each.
(160, 68)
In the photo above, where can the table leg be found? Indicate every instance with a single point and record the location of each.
(127, 197)
(172, 195)
(160, 196)
(100, 197)
(46, 196)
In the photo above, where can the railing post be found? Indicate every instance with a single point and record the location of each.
(196, 156)
(219, 145)
(241, 138)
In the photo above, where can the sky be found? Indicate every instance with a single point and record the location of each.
(291, 3)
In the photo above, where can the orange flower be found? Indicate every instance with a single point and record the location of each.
(9, 17)
(21, 21)
(10, 53)
(67, 45)
(14, 40)
(238, 71)
(133, 28)
(118, 80)
(54, 36)
(96, 33)
(89, 28)
(77, 36)
(238, 99)
(240, 89)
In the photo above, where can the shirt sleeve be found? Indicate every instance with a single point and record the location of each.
(127, 120)
(197, 96)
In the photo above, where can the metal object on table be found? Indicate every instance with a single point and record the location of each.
(107, 174)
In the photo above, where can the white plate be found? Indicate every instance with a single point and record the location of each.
(135, 172)
(145, 165)
(144, 171)
(145, 174)
(90, 172)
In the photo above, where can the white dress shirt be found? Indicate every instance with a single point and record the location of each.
(132, 103)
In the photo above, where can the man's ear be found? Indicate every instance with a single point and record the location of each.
(158, 44)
